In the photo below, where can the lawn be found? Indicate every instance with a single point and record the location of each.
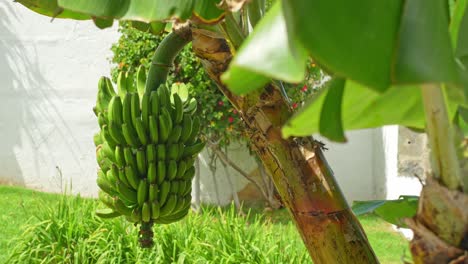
(56, 229)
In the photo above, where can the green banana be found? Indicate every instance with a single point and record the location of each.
(153, 129)
(108, 151)
(166, 112)
(141, 80)
(189, 161)
(175, 134)
(164, 128)
(115, 113)
(123, 177)
(169, 205)
(132, 177)
(141, 161)
(152, 174)
(146, 150)
(135, 107)
(105, 131)
(163, 95)
(164, 190)
(103, 96)
(174, 187)
(180, 150)
(154, 103)
(129, 157)
(173, 151)
(181, 166)
(195, 130)
(141, 133)
(142, 192)
(115, 131)
(172, 170)
(161, 151)
(120, 207)
(102, 120)
(155, 209)
(179, 205)
(105, 199)
(135, 216)
(119, 156)
(189, 173)
(153, 192)
(104, 184)
(97, 139)
(130, 78)
(130, 135)
(145, 110)
(173, 217)
(151, 155)
(127, 109)
(103, 162)
(191, 106)
(161, 172)
(182, 187)
(122, 84)
(146, 212)
(107, 213)
(127, 194)
(193, 149)
(178, 111)
(110, 87)
(186, 128)
(113, 174)
(188, 187)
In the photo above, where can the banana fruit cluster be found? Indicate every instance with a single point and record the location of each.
(145, 150)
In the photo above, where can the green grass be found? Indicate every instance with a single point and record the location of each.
(51, 228)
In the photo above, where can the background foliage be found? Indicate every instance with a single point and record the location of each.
(220, 121)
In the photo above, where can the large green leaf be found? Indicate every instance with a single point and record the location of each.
(266, 53)
(141, 10)
(423, 45)
(362, 108)
(353, 40)
(392, 211)
(330, 116)
(50, 8)
(207, 11)
(462, 39)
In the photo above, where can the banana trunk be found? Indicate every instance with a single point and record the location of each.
(305, 182)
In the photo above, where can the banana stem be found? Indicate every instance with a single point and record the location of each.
(145, 237)
(446, 166)
(164, 56)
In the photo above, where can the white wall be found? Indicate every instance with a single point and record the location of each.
(48, 78)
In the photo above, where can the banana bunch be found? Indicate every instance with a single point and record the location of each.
(145, 150)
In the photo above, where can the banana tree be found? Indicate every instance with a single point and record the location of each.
(392, 62)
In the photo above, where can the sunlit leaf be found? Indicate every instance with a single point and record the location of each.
(50, 8)
(392, 211)
(330, 116)
(207, 11)
(362, 108)
(102, 23)
(351, 40)
(266, 53)
(423, 45)
(142, 10)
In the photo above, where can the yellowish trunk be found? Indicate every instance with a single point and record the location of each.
(305, 182)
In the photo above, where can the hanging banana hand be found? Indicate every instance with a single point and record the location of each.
(145, 150)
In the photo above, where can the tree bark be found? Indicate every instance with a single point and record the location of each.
(305, 182)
